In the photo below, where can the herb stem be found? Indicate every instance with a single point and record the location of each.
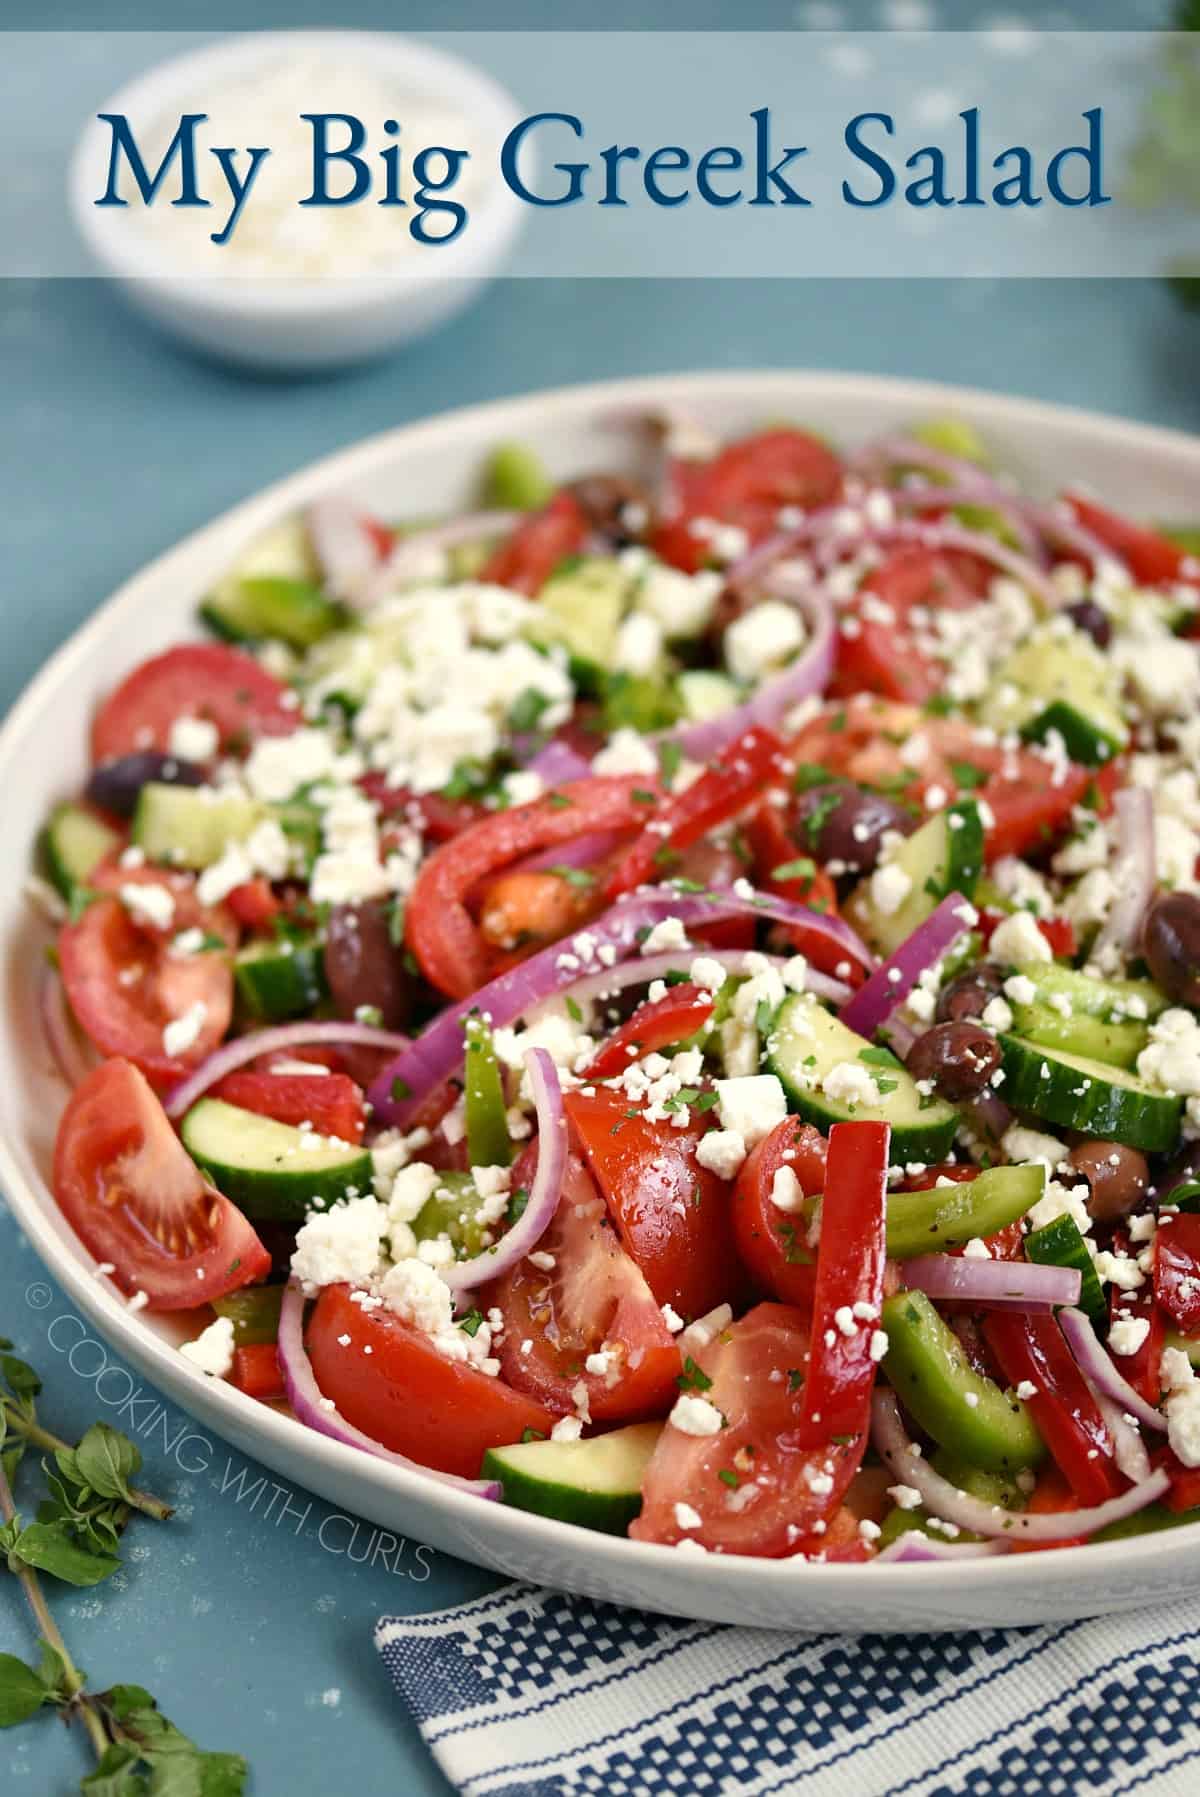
(42, 1438)
(51, 1633)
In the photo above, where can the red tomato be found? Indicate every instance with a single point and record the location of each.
(135, 1197)
(1152, 559)
(886, 657)
(747, 484)
(1028, 812)
(256, 1371)
(438, 926)
(437, 817)
(672, 1214)
(594, 1298)
(331, 1102)
(1183, 1493)
(197, 680)
(409, 1396)
(772, 847)
(772, 1243)
(736, 778)
(1033, 1348)
(125, 985)
(658, 1023)
(1177, 1271)
(538, 544)
(254, 904)
(750, 1481)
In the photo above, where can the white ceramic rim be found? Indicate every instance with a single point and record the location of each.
(496, 214)
(741, 1580)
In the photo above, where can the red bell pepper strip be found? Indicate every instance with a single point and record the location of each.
(539, 543)
(658, 1023)
(734, 780)
(256, 1371)
(836, 1397)
(1151, 558)
(1052, 1496)
(1177, 1271)
(254, 904)
(1141, 1369)
(1034, 1349)
(1183, 1493)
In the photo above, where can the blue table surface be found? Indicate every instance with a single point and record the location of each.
(251, 1618)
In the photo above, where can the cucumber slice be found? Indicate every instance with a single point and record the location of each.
(805, 1046)
(1059, 681)
(596, 1484)
(1059, 1244)
(75, 842)
(1090, 1096)
(945, 855)
(705, 694)
(271, 1169)
(583, 610)
(281, 979)
(295, 612)
(192, 826)
(1101, 1019)
(947, 1216)
(284, 552)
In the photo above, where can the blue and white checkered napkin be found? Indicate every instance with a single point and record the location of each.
(533, 1692)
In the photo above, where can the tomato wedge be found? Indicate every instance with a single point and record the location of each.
(746, 484)
(1151, 558)
(885, 656)
(1033, 1348)
(136, 1199)
(657, 1023)
(672, 1214)
(254, 904)
(594, 1300)
(538, 544)
(406, 1394)
(1177, 1271)
(751, 1483)
(197, 680)
(774, 849)
(331, 1102)
(439, 928)
(772, 1242)
(125, 984)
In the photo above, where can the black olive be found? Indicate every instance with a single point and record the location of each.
(959, 1059)
(617, 508)
(363, 966)
(845, 824)
(1087, 616)
(116, 785)
(1118, 1177)
(969, 994)
(1171, 945)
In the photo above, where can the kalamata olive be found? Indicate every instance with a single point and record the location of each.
(115, 785)
(959, 1058)
(616, 507)
(1087, 616)
(1171, 945)
(1118, 1177)
(844, 824)
(363, 966)
(969, 994)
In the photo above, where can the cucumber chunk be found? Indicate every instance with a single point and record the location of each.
(596, 1484)
(285, 553)
(1090, 1096)
(291, 611)
(75, 842)
(270, 1169)
(1059, 1244)
(192, 826)
(933, 1379)
(947, 1216)
(282, 979)
(993, 1488)
(583, 609)
(1101, 1019)
(805, 1046)
(945, 855)
(1059, 681)
(705, 694)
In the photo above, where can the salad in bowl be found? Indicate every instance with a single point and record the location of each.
(670, 1001)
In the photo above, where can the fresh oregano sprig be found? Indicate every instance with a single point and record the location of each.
(89, 1500)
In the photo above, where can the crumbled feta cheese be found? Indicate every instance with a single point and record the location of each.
(686, 1517)
(1020, 989)
(722, 1151)
(890, 886)
(751, 1106)
(905, 1497)
(666, 936)
(212, 1350)
(850, 1083)
(148, 902)
(1171, 1059)
(1021, 1144)
(786, 1191)
(340, 1246)
(997, 1015)
(626, 752)
(707, 973)
(639, 645)
(193, 739)
(695, 1416)
(1128, 1334)
(1061, 1201)
(682, 604)
(183, 1032)
(762, 639)
(1018, 940)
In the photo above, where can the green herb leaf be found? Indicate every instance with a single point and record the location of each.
(22, 1692)
(580, 877)
(50, 1547)
(526, 709)
(967, 775)
(470, 1324)
(879, 1057)
(670, 759)
(106, 1460)
(728, 1477)
(19, 1376)
(805, 868)
(574, 1011)
(693, 1377)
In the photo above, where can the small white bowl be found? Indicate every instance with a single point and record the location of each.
(295, 324)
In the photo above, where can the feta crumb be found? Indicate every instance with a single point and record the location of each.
(1128, 1334)
(686, 1517)
(722, 1151)
(193, 739)
(212, 1350)
(1018, 940)
(183, 1032)
(751, 1106)
(695, 1416)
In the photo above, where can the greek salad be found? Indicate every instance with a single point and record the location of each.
(670, 1000)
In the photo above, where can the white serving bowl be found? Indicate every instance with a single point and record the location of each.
(293, 325)
(426, 469)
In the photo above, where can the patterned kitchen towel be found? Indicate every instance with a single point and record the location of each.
(534, 1692)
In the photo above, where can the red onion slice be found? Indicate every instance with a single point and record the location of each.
(775, 698)
(581, 851)
(557, 764)
(648, 968)
(315, 1411)
(945, 1501)
(1134, 873)
(347, 552)
(1129, 1450)
(1102, 1372)
(891, 983)
(401, 1087)
(696, 1337)
(68, 1054)
(914, 1548)
(235, 1054)
(993, 1284)
(878, 460)
(989, 1115)
(544, 1193)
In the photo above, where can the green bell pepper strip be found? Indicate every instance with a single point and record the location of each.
(964, 1412)
(944, 1216)
(488, 1141)
(254, 1313)
(992, 1488)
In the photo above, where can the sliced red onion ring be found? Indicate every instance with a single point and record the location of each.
(411, 551)
(993, 1284)
(946, 1501)
(775, 698)
(581, 851)
(696, 1337)
(648, 968)
(544, 1193)
(315, 1411)
(438, 1050)
(949, 535)
(235, 1054)
(990, 495)
(914, 1548)
(1102, 1372)
(557, 763)
(891, 983)
(347, 552)
(1134, 872)
(1058, 522)
(878, 459)
(1129, 1450)
(69, 1055)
